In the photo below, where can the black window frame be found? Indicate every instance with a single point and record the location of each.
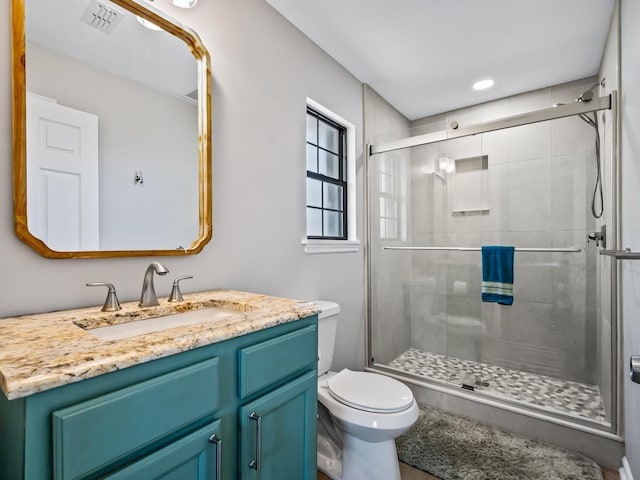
(342, 169)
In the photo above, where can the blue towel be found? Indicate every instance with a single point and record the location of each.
(497, 274)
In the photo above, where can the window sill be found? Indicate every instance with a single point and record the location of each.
(331, 246)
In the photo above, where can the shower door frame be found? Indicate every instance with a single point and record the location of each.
(607, 102)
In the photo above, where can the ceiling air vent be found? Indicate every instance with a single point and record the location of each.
(101, 16)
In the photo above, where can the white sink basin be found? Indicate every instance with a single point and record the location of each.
(157, 324)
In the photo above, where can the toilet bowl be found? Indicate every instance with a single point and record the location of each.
(360, 415)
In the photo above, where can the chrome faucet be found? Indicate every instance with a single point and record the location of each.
(148, 296)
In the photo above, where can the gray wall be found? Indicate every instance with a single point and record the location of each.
(630, 109)
(263, 70)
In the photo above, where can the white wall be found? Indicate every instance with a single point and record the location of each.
(630, 158)
(139, 129)
(263, 69)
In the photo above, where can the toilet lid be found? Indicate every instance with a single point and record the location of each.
(370, 392)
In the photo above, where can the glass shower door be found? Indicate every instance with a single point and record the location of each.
(431, 209)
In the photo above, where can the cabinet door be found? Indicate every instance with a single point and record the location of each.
(90, 436)
(278, 433)
(196, 456)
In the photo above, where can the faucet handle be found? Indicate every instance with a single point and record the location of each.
(111, 304)
(176, 294)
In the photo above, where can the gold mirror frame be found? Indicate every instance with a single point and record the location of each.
(20, 135)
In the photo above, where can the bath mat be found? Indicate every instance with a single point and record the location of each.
(455, 448)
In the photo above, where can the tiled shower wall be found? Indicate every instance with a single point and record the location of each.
(540, 179)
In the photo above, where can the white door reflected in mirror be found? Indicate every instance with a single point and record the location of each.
(62, 175)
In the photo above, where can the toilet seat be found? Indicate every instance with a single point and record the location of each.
(370, 392)
(374, 426)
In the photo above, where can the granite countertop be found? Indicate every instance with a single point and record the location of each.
(44, 351)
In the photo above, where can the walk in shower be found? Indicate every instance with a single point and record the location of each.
(533, 181)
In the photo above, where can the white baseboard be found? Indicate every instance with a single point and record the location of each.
(625, 471)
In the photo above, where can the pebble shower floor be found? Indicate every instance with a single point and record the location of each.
(563, 396)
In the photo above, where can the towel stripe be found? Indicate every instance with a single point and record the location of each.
(497, 284)
(498, 288)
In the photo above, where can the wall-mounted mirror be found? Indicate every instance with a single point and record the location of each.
(111, 118)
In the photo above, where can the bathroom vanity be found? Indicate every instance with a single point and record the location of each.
(230, 398)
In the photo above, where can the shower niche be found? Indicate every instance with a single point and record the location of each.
(470, 185)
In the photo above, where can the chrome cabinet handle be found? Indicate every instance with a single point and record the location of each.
(634, 368)
(218, 443)
(255, 464)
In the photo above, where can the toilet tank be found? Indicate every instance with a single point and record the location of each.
(327, 325)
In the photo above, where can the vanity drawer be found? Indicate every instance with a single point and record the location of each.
(268, 362)
(92, 434)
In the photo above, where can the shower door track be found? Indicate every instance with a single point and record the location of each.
(561, 111)
(582, 424)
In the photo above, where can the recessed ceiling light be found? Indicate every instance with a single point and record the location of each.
(483, 84)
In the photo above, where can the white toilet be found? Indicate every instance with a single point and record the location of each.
(360, 414)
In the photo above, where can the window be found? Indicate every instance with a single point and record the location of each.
(392, 193)
(327, 198)
(331, 182)
(389, 199)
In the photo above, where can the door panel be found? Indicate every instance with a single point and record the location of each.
(62, 175)
(191, 458)
(281, 436)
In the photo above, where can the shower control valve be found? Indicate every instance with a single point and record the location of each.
(599, 237)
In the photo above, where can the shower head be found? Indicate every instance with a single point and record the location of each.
(585, 97)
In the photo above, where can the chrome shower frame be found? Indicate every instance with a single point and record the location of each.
(607, 102)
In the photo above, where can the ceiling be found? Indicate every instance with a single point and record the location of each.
(154, 58)
(423, 56)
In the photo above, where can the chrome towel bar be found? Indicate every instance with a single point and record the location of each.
(477, 249)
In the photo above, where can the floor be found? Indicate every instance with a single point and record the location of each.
(410, 473)
(561, 396)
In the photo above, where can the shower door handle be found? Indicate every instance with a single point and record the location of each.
(634, 368)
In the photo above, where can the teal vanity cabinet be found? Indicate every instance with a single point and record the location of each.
(264, 420)
(244, 408)
(91, 435)
(188, 458)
